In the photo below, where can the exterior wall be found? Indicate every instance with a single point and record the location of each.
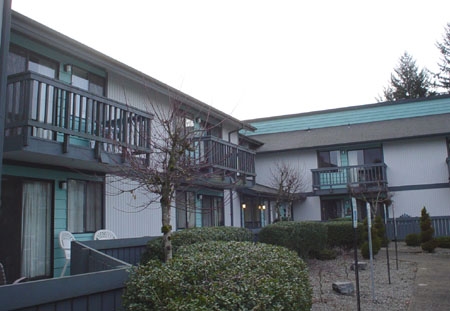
(302, 160)
(133, 93)
(418, 176)
(416, 162)
(308, 210)
(436, 201)
(131, 215)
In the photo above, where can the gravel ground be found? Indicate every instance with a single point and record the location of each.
(392, 297)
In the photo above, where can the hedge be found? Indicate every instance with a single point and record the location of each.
(307, 238)
(222, 276)
(155, 251)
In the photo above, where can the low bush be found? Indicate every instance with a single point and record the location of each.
(222, 276)
(443, 241)
(154, 249)
(326, 254)
(412, 239)
(429, 246)
(307, 238)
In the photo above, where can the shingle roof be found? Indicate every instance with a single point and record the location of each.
(431, 125)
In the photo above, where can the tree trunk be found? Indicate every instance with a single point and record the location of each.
(166, 228)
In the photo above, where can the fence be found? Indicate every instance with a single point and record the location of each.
(96, 282)
(408, 225)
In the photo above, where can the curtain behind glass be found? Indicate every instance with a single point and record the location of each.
(94, 205)
(36, 229)
(75, 205)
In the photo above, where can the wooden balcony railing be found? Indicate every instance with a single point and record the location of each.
(216, 153)
(369, 177)
(44, 108)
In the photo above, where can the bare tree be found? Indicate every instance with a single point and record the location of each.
(289, 182)
(180, 160)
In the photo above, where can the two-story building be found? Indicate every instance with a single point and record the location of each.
(72, 117)
(397, 149)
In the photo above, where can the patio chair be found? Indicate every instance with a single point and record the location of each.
(104, 234)
(65, 240)
(3, 280)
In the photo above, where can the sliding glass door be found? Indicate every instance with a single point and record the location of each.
(26, 227)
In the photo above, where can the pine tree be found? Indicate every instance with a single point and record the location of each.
(407, 81)
(443, 76)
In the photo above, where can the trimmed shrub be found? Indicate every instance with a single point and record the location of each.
(376, 245)
(443, 241)
(155, 251)
(426, 232)
(340, 234)
(429, 246)
(376, 241)
(412, 239)
(380, 230)
(222, 276)
(307, 238)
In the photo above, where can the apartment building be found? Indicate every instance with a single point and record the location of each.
(73, 117)
(397, 149)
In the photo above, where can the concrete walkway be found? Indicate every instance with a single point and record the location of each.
(432, 283)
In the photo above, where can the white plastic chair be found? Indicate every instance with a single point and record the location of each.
(104, 234)
(65, 241)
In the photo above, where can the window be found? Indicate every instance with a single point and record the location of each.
(341, 208)
(365, 156)
(212, 211)
(88, 81)
(185, 203)
(17, 61)
(21, 60)
(329, 158)
(332, 209)
(85, 206)
(42, 65)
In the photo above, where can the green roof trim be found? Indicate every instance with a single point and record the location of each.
(352, 115)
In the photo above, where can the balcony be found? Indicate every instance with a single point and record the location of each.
(49, 122)
(231, 162)
(345, 179)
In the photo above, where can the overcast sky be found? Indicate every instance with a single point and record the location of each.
(257, 58)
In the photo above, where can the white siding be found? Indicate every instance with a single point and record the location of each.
(303, 161)
(436, 201)
(132, 93)
(127, 215)
(416, 162)
(308, 210)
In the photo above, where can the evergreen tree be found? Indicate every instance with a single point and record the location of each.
(443, 76)
(426, 232)
(407, 81)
